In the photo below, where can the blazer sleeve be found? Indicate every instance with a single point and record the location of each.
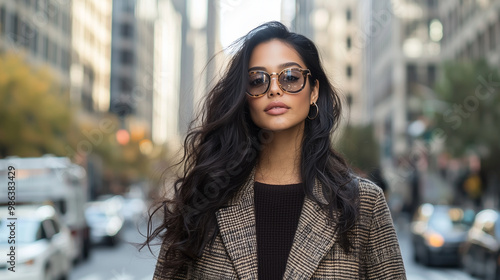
(160, 271)
(383, 255)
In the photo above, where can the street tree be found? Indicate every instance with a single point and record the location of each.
(470, 120)
(360, 148)
(34, 114)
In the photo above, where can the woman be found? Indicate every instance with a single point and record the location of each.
(263, 194)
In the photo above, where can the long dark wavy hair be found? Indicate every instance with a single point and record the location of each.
(220, 154)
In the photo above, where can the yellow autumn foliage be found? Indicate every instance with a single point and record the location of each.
(35, 117)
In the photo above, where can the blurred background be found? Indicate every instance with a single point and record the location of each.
(96, 97)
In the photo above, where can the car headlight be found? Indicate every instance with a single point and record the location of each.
(435, 240)
(29, 262)
(113, 226)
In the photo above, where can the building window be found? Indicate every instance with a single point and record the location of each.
(348, 15)
(87, 102)
(349, 99)
(25, 34)
(481, 43)
(15, 27)
(65, 24)
(431, 75)
(34, 42)
(348, 43)
(53, 13)
(45, 48)
(125, 85)
(54, 54)
(411, 73)
(128, 6)
(126, 57)
(3, 21)
(65, 60)
(49, 51)
(492, 38)
(411, 77)
(349, 71)
(126, 30)
(470, 51)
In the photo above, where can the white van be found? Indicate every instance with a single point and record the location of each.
(55, 180)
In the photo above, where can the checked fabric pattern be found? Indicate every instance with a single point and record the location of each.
(315, 253)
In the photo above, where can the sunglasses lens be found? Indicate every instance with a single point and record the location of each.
(257, 83)
(292, 80)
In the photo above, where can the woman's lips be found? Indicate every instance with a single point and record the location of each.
(276, 108)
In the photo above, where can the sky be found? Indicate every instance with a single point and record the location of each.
(238, 17)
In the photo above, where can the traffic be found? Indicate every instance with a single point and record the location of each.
(452, 236)
(48, 225)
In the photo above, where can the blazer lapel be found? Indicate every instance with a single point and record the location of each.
(237, 228)
(313, 239)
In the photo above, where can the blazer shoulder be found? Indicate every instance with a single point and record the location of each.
(369, 190)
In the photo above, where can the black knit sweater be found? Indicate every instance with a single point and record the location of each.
(277, 213)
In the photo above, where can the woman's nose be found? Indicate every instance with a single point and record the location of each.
(274, 87)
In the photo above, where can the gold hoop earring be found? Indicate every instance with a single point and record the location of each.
(317, 111)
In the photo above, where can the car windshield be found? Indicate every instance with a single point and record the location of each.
(452, 219)
(96, 216)
(25, 231)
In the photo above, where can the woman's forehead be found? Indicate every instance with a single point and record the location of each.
(274, 54)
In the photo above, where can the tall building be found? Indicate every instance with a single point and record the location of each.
(471, 30)
(303, 15)
(336, 25)
(41, 30)
(159, 72)
(401, 42)
(132, 64)
(145, 75)
(194, 40)
(166, 97)
(91, 56)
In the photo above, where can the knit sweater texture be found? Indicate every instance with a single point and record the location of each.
(277, 213)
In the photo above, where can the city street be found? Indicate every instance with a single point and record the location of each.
(107, 104)
(416, 271)
(124, 262)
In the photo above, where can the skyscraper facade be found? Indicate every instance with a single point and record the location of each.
(91, 55)
(41, 30)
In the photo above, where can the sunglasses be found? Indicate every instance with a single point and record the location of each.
(290, 80)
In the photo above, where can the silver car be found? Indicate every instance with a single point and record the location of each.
(35, 245)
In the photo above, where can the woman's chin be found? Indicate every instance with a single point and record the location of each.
(282, 127)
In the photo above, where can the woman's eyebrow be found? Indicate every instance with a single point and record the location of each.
(281, 66)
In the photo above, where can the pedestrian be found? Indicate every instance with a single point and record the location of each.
(263, 195)
(377, 177)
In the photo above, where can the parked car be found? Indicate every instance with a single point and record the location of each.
(133, 210)
(55, 179)
(437, 233)
(41, 244)
(105, 223)
(481, 251)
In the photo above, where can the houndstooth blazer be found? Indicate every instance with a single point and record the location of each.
(315, 253)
